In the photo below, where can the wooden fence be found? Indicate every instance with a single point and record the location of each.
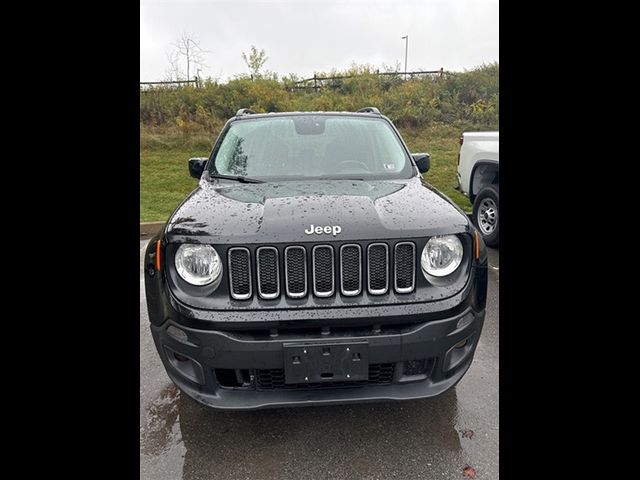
(177, 83)
(315, 83)
(318, 82)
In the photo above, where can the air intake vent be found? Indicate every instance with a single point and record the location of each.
(350, 270)
(323, 271)
(378, 267)
(268, 275)
(239, 273)
(373, 262)
(273, 379)
(295, 259)
(405, 267)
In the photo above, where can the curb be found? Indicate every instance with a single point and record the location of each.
(149, 229)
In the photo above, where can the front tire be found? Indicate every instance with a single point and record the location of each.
(486, 214)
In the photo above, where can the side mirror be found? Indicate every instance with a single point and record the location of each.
(196, 166)
(423, 161)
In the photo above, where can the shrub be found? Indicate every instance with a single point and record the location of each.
(466, 100)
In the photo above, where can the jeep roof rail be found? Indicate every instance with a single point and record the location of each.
(244, 111)
(369, 110)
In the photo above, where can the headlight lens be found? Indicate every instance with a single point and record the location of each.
(442, 255)
(198, 264)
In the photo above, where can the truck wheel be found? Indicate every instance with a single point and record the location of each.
(486, 214)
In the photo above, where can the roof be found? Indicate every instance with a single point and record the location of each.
(246, 113)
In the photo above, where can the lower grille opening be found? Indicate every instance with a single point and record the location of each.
(273, 379)
(230, 378)
(417, 367)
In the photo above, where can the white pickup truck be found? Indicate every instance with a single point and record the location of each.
(479, 179)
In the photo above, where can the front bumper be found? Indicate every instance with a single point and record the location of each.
(203, 354)
(219, 358)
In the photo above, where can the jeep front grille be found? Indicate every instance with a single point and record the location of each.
(268, 276)
(322, 270)
(405, 267)
(295, 271)
(378, 268)
(351, 270)
(240, 273)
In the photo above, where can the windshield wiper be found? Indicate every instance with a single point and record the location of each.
(237, 178)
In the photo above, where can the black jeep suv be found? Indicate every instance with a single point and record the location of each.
(314, 265)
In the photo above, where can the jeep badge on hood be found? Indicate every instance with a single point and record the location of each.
(335, 229)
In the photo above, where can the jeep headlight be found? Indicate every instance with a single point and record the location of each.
(198, 264)
(441, 255)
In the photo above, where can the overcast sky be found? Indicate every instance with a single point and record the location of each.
(303, 36)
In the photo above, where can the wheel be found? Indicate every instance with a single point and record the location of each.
(486, 214)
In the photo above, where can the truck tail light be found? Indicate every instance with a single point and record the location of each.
(461, 139)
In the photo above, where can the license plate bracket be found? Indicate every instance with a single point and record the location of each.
(325, 362)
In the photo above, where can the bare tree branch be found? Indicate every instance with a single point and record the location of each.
(189, 48)
(173, 72)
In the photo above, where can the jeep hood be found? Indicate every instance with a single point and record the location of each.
(238, 213)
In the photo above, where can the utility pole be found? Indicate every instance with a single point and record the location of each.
(406, 50)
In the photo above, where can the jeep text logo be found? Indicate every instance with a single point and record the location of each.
(334, 229)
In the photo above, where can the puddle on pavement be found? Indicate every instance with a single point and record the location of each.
(351, 440)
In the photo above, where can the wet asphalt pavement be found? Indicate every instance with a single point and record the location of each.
(431, 438)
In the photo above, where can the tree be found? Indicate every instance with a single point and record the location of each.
(255, 61)
(173, 73)
(190, 49)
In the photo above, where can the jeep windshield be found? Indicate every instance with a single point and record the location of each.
(292, 147)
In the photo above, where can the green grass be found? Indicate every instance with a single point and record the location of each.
(442, 143)
(165, 180)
